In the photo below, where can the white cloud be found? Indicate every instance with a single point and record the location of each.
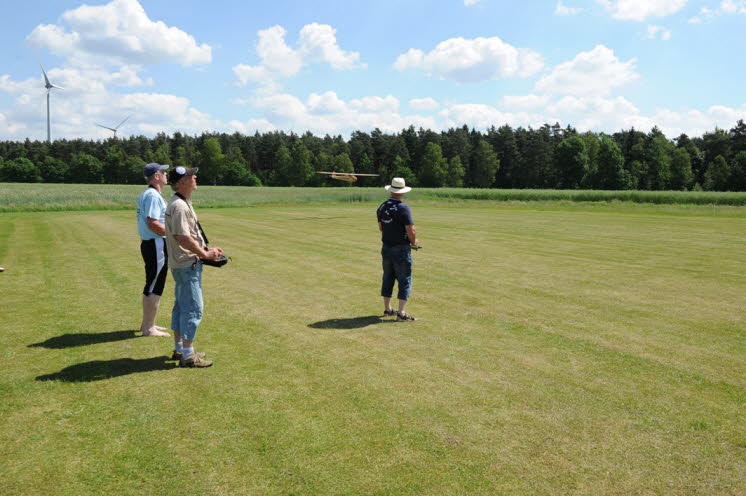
(733, 6)
(726, 7)
(91, 96)
(251, 126)
(375, 104)
(475, 60)
(328, 114)
(277, 57)
(326, 103)
(482, 116)
(596, 114)
(564, 10)
(568, 105)
(469, 3)
(524, 102)
(13, 87)
(424, 104)
(599, 114)
(75, 112)
(640, 10)
(654, 31)
(705, 14)
(413, 58)
(726, 113)
(594, 73)
(8, 129)
(119, 31)
(695, 122)
(247, 74)
(316, 43)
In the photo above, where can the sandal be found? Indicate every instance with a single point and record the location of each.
(404, 317)
(389, 313)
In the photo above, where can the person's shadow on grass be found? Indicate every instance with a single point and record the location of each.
(351, 323)
(97, 370)
(84, 339)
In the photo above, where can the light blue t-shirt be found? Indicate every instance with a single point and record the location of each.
(150, 204)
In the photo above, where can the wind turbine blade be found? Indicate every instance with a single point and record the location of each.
(55, 86)
(46, 79)
(106, 127)
(125, 120)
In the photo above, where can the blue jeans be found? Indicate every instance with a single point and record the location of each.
(397, 266)
(188, 306)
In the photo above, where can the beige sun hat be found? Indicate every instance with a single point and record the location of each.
(397, 186)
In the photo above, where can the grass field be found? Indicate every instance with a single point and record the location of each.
(562, 349)
(20, 197)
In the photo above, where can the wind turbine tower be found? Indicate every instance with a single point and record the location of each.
(49, 87)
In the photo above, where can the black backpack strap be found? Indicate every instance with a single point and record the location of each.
(204, 236)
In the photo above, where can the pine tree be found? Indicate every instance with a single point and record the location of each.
(434, 167)
(717, 175)
(484, 166)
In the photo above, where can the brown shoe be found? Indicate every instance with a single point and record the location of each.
(177, 356)
(194, 361)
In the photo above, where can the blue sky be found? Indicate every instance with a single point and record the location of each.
(335, 67)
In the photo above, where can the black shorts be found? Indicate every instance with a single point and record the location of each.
(155, 256)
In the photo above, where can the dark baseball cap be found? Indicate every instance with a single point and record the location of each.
(178, 172)
(152, 168)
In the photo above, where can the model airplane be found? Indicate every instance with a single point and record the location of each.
(350, 177)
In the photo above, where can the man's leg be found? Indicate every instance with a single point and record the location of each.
(156, 269)
(150, 304)
(191, 306)
(387, 281)
(176, 318)
(403, 267)
(387, 305)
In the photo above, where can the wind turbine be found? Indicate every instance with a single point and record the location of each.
(49, 87)
(115, 128)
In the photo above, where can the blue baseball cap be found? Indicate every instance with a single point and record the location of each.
(152, 168)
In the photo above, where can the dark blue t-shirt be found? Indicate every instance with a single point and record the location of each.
(393, 216)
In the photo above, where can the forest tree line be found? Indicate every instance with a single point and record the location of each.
(546, 157)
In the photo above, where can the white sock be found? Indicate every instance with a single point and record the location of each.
(178, 348)
(187, 352)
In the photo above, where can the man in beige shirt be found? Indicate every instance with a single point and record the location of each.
(186, 248)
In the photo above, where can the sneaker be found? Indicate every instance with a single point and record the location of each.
(177, 356)
(404, 317)
(195, 361)
(389, 313)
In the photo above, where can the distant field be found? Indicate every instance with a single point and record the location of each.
(52, 197)
(561, 350)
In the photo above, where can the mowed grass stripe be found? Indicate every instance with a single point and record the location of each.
(624, 360)
(577, 290)
(302, 271)
(501, 386)
(75, 296)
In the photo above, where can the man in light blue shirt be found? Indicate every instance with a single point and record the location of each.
(151, 224)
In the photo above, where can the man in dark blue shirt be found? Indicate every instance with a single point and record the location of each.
(398, 236)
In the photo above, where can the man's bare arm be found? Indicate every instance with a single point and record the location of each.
(411, 234)
(189, 243)
(156, 226)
